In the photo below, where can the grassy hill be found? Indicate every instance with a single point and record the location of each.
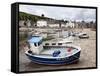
(27, 16)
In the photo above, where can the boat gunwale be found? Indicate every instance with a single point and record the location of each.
(35, 55)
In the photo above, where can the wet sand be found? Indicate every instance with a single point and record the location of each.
(87, 56)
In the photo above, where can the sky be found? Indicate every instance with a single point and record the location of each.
(66, 13)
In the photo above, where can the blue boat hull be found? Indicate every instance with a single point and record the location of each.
(55, 61)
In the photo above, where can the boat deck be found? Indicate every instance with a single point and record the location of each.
(47, 52)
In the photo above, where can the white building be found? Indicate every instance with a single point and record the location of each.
(41, 23)
(28, 23)
(44, 23)
(70, 24)
(21, 23)
(53, 25)
(63, 25)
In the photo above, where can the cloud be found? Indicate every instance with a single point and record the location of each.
(61, 12)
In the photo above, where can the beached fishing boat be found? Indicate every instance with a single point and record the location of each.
(56, 54)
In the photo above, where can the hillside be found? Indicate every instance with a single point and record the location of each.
(26, 16)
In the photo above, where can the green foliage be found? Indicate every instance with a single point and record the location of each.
(25, 16)
(34, 18)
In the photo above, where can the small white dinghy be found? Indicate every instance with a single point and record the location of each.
(83, 36)
(52, 55)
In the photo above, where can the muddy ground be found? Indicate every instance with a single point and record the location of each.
(87, 56)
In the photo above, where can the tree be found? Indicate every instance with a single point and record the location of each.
(42, 15)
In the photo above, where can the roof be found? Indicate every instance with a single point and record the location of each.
(35, 39)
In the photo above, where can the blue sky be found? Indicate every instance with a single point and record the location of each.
(66, 13)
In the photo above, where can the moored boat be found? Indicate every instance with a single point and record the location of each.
(52, 55)
(84, 36)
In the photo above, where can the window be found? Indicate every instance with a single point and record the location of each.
(53, 43)
(46, 43)
(59, 43)
(35, 44)
(38, 43)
